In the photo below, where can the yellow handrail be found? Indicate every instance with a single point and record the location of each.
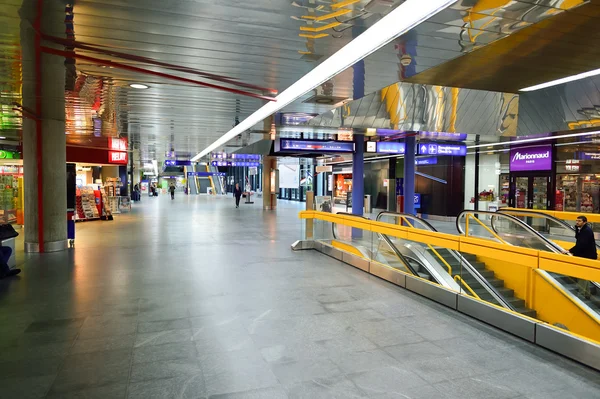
(429, 245)
(485, 227)
(442, 259)
(458, 278)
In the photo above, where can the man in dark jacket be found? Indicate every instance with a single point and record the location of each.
(585, 247)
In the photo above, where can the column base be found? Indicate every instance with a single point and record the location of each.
(53, 246)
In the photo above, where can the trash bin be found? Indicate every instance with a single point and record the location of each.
(367, 200)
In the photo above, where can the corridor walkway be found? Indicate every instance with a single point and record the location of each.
(193, 298)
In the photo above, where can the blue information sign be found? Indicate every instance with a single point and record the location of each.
(426, 161)
(442, 149)
(417, 201)
(390, 147)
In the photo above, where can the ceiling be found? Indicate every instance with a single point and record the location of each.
(266, 43)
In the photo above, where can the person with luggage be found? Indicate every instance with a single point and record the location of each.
(172, 190)
(585, 247)
(237, 193)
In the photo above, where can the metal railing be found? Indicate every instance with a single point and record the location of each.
(407, 218)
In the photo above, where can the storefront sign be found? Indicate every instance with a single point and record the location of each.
(390, 147)
(292, 145)
(117, 144)
(118, 157)
(426, 161)
(531, 158)
(442, 149)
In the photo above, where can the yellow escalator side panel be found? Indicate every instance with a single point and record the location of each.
(346, 247)
(515, 276)
(554, 307)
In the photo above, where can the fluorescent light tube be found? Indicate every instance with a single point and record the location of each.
(563, 80)
(546, 138)
(403, 18)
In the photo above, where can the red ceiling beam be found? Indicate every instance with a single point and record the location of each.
(71, 54)
(131, 57)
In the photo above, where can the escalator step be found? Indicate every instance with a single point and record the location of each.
(526, 312)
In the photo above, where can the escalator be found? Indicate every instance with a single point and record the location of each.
(507, 228)
(471, 275)
(562, 234)
(448, 268)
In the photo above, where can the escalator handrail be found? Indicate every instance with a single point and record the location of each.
(552, 218)
(549, 244)
(544, 215)
(472, 270)
(406, 215)
(385, 238)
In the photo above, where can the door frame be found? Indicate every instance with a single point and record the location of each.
(551, 179)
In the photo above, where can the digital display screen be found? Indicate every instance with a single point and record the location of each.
(293, 145)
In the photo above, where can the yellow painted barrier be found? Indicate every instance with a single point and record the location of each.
(346, 247)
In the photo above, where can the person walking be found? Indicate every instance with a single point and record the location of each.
(237, 193)
(172, 190)
(585, 247)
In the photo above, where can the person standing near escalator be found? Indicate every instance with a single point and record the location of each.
(585, 247)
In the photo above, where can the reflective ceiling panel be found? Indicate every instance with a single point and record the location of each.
(267, 43)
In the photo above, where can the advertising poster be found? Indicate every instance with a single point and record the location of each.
(323, 203)
(289, 176)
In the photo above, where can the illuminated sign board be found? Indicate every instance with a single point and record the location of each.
(117, 144)
(119, 157)
(293, 145)
(442, 149)
(390, 147)
(426, 161)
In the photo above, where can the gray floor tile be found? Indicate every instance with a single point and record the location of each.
(355, 362)
(305, 370)
(420, 351)
(387, 379)
(238, 371)
(265, 393)
(163, 337)
(108, 343)
(112, 391)
(25, 352)
(25, 388)
(165, 369)
(30, 367)
(154, 353)
(163, 325)
(182, 387)
(320, 388)
(475, 388)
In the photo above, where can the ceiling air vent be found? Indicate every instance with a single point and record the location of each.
(324, 99)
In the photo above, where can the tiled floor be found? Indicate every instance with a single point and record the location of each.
(193, 298)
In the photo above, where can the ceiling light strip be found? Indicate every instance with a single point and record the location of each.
(403, 18)
(546, 138)
(563, 80)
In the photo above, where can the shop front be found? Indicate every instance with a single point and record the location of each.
(102, 178)
(532, 177)
(577, 181)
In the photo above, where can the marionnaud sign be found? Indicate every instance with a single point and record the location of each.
(531, 158)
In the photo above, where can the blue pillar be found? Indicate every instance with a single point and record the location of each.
(358, 158)
(409, 176)
(358, 181)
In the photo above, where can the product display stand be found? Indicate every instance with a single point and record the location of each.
(86, 204)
